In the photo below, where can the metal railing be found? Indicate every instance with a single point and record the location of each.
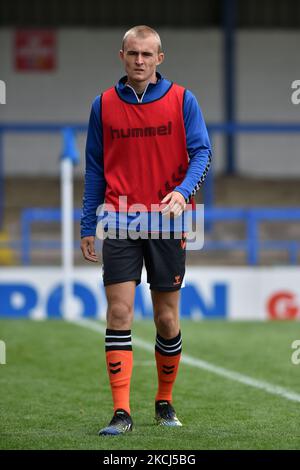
(252, 245)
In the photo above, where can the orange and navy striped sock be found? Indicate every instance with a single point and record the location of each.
(119, 361)
(167, 355)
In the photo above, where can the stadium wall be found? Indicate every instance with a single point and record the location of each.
(87, 60)
(209, 293)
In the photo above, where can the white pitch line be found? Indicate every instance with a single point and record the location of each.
(144, 363)
(200, 364)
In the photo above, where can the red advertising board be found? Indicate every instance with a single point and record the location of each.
(35, 50)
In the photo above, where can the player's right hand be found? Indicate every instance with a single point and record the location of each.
(87, 246)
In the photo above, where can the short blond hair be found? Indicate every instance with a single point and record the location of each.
(142, 31)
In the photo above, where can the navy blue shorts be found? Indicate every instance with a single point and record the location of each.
(164, 261)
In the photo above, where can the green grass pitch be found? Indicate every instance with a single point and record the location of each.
(55, 392)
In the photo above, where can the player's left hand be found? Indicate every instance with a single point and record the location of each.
(175, 204)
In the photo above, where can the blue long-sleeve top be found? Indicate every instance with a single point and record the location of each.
(197, 143)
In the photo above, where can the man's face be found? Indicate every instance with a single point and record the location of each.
(141, 57)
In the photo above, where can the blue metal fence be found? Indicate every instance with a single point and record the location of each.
(28, 218)
(252, 245)
(252, 218)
